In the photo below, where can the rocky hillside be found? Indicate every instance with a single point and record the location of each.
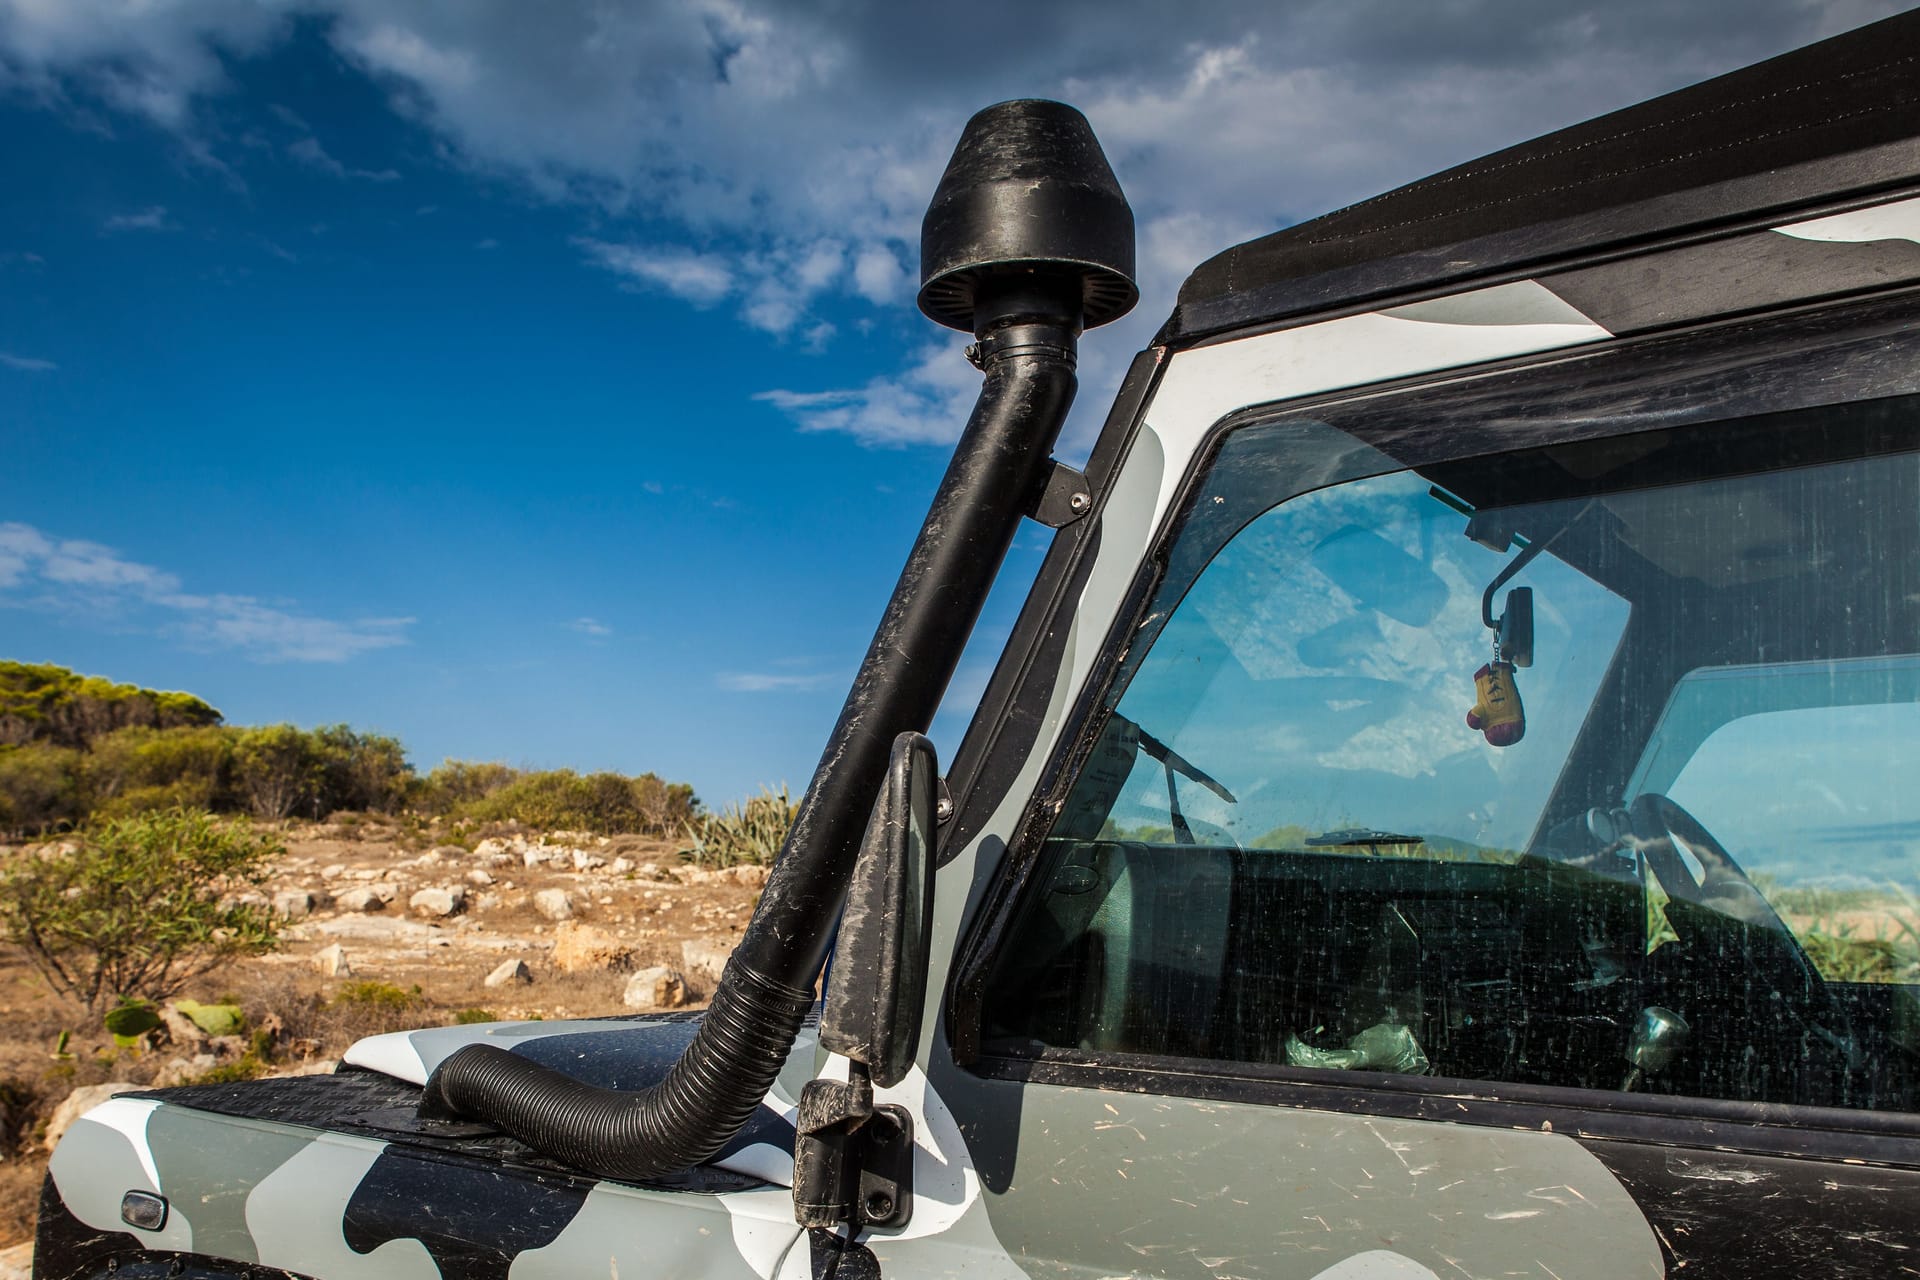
(386, 926)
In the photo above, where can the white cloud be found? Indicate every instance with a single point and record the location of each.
(153, 60)
(26, 364)
(927, 404)
(702, 279)
(73, 576)
(590, 627)
(309, 152)
(152, 218)
(877, 275)
(770, 682)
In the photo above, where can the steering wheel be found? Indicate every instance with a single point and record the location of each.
(1724, 890)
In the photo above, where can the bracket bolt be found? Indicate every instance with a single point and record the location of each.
(879, 1206)
(1079, 501)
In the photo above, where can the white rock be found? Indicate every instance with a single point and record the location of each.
(182, 1032)
(751, 874)
(333, 871)
(655, 988)
(533, 857)
(438, 902)
(621, 866)
(581, 948)
(81, 1101)
(554, 904)
(294, 904)
(447, 852)
(331, 961)
(705, 958)
(497, 860)
(181, 1070)
(509, 972)
(361, 898)
(584, 861)
(479, 879)
(497, 846)
(318, 1067)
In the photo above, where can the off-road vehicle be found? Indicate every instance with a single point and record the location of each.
(1450, 806)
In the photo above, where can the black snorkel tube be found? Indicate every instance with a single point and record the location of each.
(1028, 240)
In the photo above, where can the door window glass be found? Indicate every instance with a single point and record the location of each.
(1820, 802)
(1419, 771)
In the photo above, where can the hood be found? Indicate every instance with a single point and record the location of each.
(626, 1053)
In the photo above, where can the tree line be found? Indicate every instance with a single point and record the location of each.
(77, 748)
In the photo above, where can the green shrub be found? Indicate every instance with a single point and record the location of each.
(277, 769)
(129, 1020)
(137, 907)
(373, 994)
(467, 1017)
(40, 788)
(139, 770)
(248, 1066)
(751, 832)
(364, 771)
(223, 1019)
(606, 803)
(454, 784)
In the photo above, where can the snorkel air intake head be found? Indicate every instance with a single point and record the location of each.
(1028, 193)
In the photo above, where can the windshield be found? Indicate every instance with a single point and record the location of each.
(1315, 665)
(1321, 669)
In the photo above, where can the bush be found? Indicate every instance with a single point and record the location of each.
(455, 784)
(40, 788)
(606, 803)
(139, 770)
(136, 909)
(377, 995)
(752, 832)
(278, 769)
(365, 771)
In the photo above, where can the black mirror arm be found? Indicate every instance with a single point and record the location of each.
(1506, 575)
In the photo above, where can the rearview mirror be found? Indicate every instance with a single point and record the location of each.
(1516, 628)
(878, 986)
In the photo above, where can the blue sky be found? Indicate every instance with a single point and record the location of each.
(542, 383)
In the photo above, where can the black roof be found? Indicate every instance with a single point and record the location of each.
(1834, 119)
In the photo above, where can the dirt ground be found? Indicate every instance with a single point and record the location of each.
(628, 904)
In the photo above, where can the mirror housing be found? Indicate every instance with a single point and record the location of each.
(877, 989)
(1516, 628)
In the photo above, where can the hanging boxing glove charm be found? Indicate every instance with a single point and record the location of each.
(1498, 713)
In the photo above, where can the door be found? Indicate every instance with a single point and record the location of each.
(1361, 935)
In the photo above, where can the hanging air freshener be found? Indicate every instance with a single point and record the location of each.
(1497, 712)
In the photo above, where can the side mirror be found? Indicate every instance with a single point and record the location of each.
(878, 987)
